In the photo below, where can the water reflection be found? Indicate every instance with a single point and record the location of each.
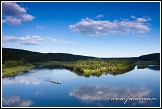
(15, 101)
(38, 93)
(78, 73)
(98, 74)
(49, 67)
(79, 91)
(151, 67)
(154, 67)
(89, 93)
(37, 76)
(24, 79)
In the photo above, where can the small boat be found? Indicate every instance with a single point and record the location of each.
(56, 82)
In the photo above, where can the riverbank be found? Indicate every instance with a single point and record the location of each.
(12, 71)
(83, 67)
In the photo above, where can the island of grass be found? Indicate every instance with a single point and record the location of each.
(99, 67)
(95, 67)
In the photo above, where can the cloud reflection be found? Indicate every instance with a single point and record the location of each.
(37, 76)
(15, 101)
(90, 93)
(22, 79)
(38, 93)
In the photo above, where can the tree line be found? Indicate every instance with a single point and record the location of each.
(9, 54)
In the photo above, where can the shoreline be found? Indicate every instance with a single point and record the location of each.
(13, 71)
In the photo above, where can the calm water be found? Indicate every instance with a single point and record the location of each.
(33, 88)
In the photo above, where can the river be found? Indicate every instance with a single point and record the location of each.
(33, 88)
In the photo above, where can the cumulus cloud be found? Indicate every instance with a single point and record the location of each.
(12, 20)
(33, 40)
(39, 27)
(26, 40)
(100, 16)
(14, 14)
(133, 17)
(90, 93)
(141, 20)
(89, 26)
(15, 101)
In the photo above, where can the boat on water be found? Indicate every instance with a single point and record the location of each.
(56, 82)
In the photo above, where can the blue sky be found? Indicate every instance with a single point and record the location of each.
(106, 29)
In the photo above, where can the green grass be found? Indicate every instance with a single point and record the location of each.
(12, 71)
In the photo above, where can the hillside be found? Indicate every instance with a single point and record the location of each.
(9, 54)
(29, 56)
(150, 57)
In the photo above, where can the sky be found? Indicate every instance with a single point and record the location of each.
(100, 29)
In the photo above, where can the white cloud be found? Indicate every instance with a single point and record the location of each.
(60, 41)
(15, 101)
(26, 40)
(31, 42)
(100, 16)
(10, 39)
(12, 20)
(27, 17)
(41, 27)
(34, 40)
(133, 17)
(141, 20)
(132, 27)
(14, 14)
(64, 42)
(89, 26)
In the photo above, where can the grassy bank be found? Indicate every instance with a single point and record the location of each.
(11, 68)
(12, 71)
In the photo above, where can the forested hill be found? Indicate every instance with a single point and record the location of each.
(28, 56)
(9, 54)
(150, 57)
